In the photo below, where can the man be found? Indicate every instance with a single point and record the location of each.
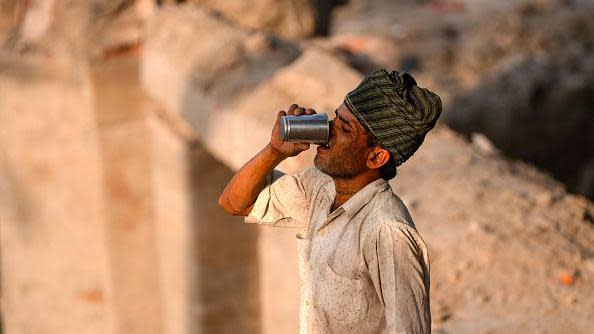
(362, 264)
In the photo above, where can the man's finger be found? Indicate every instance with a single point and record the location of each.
(309, 111)
(292, 108)
(299, 111)
(303, 147)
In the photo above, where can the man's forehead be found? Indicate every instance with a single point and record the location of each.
(345, 113)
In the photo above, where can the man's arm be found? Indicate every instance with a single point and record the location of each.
(241, 192)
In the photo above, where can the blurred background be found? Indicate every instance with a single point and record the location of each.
(121, 121)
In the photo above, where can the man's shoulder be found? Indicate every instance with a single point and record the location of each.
(389, 208)
(388, 212)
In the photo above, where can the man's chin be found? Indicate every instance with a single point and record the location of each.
(316, 162)
(322, 167)
(319, 164)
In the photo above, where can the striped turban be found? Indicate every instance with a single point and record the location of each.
(395, 111)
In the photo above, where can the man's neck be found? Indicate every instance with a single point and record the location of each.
(347, 188)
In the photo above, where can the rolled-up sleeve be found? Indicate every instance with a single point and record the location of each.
(285, 200)
(399, 268)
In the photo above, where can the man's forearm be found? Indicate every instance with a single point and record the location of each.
(243, 189)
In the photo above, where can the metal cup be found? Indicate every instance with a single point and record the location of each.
(314, 129)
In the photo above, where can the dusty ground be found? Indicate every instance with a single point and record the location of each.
(511, 251)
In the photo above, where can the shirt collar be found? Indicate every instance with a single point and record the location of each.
(362, 197)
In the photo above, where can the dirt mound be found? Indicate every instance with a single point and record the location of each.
(511, 251)
(534, 99)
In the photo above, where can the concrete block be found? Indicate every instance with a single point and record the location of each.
(53, 245)
(309, 81)
(226, 288)
(186, 46)
(146, 180)
(194, 63)
(287, 18)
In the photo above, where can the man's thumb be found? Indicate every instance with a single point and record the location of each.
(280, 114)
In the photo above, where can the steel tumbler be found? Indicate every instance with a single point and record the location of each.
(314, 129)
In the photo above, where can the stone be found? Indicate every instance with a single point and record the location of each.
(118, 25)
(286, 18)
(369, 52)
(483, 144)
(168, 63)
(193, 59)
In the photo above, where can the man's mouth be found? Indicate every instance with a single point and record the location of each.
(323, 148)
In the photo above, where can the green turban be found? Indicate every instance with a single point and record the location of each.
(395, 111)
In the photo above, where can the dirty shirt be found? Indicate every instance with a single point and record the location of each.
(363, 268)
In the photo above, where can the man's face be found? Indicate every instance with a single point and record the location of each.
(347, 153)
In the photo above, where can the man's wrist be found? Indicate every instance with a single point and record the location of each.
(276, 154)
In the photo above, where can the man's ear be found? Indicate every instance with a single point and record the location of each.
(377, 157)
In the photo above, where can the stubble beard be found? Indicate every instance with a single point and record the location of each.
(341, 165)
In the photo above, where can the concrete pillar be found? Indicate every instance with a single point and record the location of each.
(180, 264)
(53, 248)
(226, 288)
(146, 178)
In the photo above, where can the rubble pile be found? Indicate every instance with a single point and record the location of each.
(539, 61)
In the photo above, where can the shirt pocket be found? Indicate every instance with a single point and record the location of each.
(342, 298)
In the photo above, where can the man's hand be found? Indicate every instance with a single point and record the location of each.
(241, 192)
(285, 148)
